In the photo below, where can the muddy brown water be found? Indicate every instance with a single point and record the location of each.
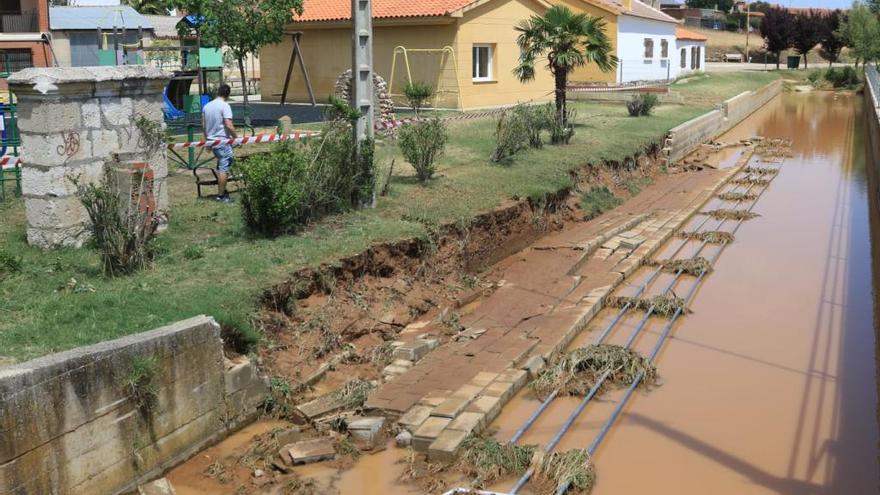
(770, 385)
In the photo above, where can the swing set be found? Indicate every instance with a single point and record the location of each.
(447, 55)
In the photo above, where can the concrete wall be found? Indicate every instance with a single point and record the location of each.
(683, 139)
(68, 424)
(74, 122)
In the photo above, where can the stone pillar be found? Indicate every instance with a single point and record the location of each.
(74, 122)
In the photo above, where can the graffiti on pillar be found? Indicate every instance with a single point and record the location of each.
(69, 144)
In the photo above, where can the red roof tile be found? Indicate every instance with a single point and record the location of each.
(684, 34)
(340, 10)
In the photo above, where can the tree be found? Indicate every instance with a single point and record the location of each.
(150, 7)
(861, 32)
(776, 29)
(243, 26)
(830, 36)
(806, 33)
(570, 40)
(760, 6)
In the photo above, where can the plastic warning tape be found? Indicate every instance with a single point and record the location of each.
(9, 161)
(259, 138)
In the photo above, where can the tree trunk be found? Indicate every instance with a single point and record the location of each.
(244, 90)
(778, 56)
(561, 80)
(805, 61)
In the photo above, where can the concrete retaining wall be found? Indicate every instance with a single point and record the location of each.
(668, 98)
(683, 139)
(69, 423)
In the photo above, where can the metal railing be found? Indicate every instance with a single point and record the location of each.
(20, 22)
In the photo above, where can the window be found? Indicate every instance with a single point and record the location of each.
(684, 57)
(10, 6)
(693, 58)
(664, 49)
(699, 57)
(649, 49)
(19, 58)
(482, 69)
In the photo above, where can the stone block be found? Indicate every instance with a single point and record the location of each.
(148, 107)
(468, 422)
(428, 432)
(322, 406)
(414, 418)
(517, 377)
(502, 390)
(308, 451)
(412, 351)
(445, 447)
(483, 378)
(450, 407)
(160, 486)
(434, 399)
(241, 375)
(104, 142)
(394, 370)
(50, 116)
(117, 111)
(534, 365)
(54, 212)
(403, 363)
(487, 405)
(91, 114)
(52, 150)
(468, 391)
(367, 433)
(51, 238)
(58, 181)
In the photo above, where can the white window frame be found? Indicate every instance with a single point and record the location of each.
(490, 49)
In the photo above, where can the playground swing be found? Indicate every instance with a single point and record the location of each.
(296, 53)
(447, 55)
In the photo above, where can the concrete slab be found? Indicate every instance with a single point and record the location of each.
(468, 422)
(308, 451)
(450, 407)
(428, 432)
(445, 447)
(415, 416)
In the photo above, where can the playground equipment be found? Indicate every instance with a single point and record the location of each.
(296, 53)
(447, 55)
(10, 166)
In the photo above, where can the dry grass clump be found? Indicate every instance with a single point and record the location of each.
(353, 394)
(725, 214)
(574, 467)
(751, 181)
(774, 148)
(576, 372)
(761, 171)
(661, 305)
(486, 460)
(692, 266)
(427, 475)
(711, 236)
(737, 196)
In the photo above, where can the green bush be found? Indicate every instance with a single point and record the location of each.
(642, 104)
(417, 93)
(561, 133)
(815, 76)
(845, 77)
(421, 143)
(511, 135)
(536, 119)
(598, 200)
(122, 227)
(273, 199)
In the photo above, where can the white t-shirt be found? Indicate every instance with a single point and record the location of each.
(214, 113)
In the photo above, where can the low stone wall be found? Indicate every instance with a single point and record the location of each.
(69, 422)
(668, 98)
(74, 122)
(683, 139)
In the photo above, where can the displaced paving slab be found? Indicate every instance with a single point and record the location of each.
(308, 451)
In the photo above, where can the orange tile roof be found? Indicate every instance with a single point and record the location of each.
(684, 34)
(340, 10)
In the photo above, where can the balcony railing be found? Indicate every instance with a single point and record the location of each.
(21, 22)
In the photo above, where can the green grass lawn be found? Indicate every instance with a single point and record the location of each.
(58, 299)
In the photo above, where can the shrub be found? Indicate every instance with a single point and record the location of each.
(561, 133)
(141, 382)
(417, 93)
(536, 119)
(642, 104)
(846, 77)
(511, 135)
(273, 199)
(598, 200)
(122, 228)
(421, 143)
(815, 76)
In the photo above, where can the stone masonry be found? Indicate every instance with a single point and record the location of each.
(74, 122)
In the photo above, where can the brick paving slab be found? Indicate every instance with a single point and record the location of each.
(550, 291)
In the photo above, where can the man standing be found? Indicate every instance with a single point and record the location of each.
(217, 123)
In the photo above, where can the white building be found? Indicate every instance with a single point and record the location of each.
(645, 44)
(690, 50)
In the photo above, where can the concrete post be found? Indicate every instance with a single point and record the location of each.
(74, 122)
(362, 66)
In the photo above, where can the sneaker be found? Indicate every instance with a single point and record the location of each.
(225, 199)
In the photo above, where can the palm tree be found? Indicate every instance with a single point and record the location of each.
(570, 40)
(149, 7)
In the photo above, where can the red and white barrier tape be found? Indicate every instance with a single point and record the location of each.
(608, 89)
(9, 161)
(259, 138)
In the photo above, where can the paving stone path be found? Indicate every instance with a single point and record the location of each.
(548, 293)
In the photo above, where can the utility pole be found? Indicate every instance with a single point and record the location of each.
(748, 28)
(362, 67)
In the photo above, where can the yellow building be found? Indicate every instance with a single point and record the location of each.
(465, 49)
